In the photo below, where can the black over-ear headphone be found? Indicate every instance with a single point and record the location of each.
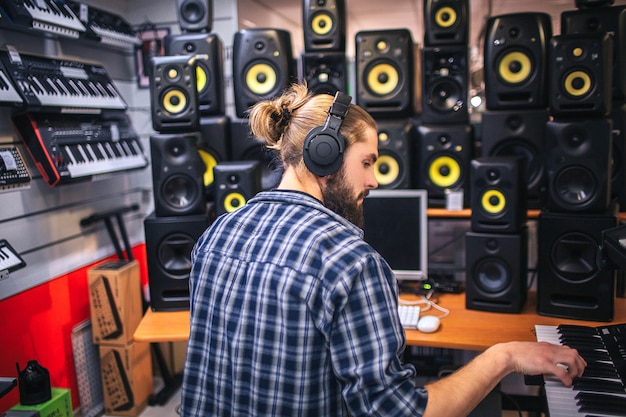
(324, 145)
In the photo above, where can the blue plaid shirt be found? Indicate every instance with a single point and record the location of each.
(293, 314)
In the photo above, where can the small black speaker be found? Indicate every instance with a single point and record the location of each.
(515, 61)
(324, 25)
(195, 15)
(446, 22)
(396, 138)
(498, 194)
(445, 84)
(169, 241)
(263, 66)
(213, 148)
(496, 271)
(324, 73)
(443, 162)
(209, 72)
(580, 74)
(177, 172)
(385, 72)
(578, 164)
(603, 20)
(569, 282)
(519, 133)
(174, 94)
(236, 182)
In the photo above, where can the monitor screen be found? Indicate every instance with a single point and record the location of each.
(396, 226)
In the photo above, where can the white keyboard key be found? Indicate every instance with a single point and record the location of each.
(409, 316)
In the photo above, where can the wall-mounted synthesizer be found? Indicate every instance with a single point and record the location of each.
(61, 85)
(80, 147)
(8, 93)
(52, 16)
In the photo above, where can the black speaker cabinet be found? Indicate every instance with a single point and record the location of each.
(443, 162)
(213, 148)
(515, 60)
(519, 133)
(174, 93)
(396, 138)
(445, 84)
(195, 15)
(498, 194)
(578, 160)
(263, 66)
(618, 164)
(324, 72)
(385, 72)
(169, 241)
(324, 25)
(244, 147)
(236, 182)
(580, 74)
(209, 72)
(603, 20)
(569, 282)
(446, 22)
(496, 268)
(177, 171)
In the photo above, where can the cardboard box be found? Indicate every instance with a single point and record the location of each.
(127, 382)
(115, 301)
(59, 405)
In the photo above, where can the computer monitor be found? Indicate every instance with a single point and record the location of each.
(396, 226)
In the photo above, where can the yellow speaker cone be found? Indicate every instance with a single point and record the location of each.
(261, 79)
(386, 170)
(577, 83)
(577, 52)
(444, 171)
(174, 101)
(445, 17)
(515, 67)
(233, 201)
(382, 79)
(493, 201)
(383, 137)
(172, 73)
(201, 78)
(322, 24)
(210, 162)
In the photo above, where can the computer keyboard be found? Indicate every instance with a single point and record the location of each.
(409, 315)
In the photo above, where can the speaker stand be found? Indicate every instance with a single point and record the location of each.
(171, 382)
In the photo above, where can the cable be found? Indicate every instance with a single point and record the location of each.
(427, 302)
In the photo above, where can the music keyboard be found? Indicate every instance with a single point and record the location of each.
(61, 85)
(104, 26)
(9, 259)
(8, 93)
(53, 16)
(601, 390)
(80, 147)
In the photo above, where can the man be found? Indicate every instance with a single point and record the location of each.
(292, 313)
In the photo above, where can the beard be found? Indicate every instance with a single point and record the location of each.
(339, 197)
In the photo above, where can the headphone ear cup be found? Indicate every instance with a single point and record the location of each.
(323, 151)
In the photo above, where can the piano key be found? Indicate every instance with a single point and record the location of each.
(9, 259)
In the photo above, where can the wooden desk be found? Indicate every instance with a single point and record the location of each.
(462, 329)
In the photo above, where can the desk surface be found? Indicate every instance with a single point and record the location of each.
(462, 329)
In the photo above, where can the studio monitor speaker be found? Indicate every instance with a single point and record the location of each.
(446, 22)
(445, 84)
(385, 72)
(580, 74)
(195, 15)
(603, 20)
(443, 163)
(236, 182)
(578, 159)
(324, 73)
(213, 148)
(209, 72)
(515, 60)
(177, 172)
(618, 160)
(496, 271)
(519, 133)
(324, 24)
(569, 282)
(396, 139)
(169, 241)
(174, 94)
(498, 194)
(263, 66)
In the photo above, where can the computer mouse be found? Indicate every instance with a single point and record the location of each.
(428, 324)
